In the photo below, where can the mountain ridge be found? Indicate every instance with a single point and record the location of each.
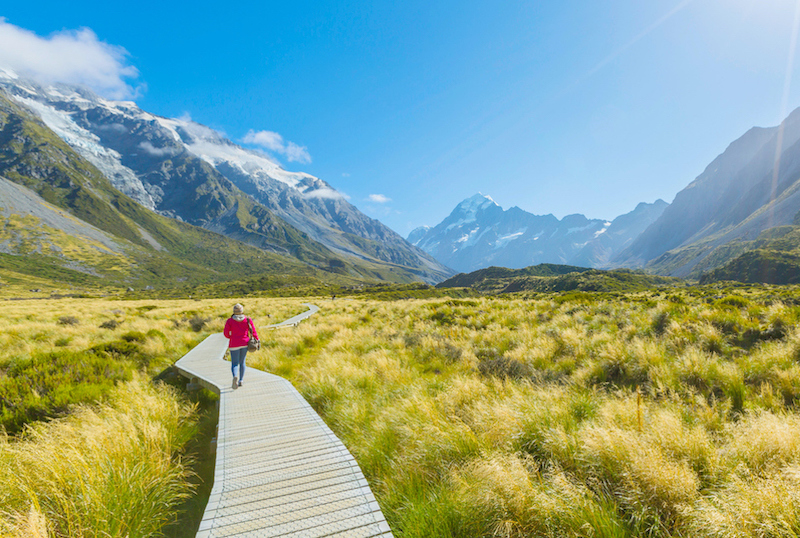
(478, 233)
(187, 171)
(739, 195)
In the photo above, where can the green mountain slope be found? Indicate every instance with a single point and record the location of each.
(773, 258)
(476, 278)
(551, 277)
(40, 239)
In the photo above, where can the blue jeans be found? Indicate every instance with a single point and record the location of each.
(237, 359)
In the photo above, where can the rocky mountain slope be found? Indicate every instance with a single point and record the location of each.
(479, 233)
(62, 217)
(751, 187)
(620, 234)
(186, 171)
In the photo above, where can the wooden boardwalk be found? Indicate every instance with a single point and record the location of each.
(280, 471)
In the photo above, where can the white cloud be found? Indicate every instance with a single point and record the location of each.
(265, 139)
(378, 198)
(147, 147)
(326, 194)
(113, 127)
(295, 153)
(69, 56)
(274, 142)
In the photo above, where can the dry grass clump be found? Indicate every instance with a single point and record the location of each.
(764, 443)
(511, 496)
(112, 470)
(749, 506)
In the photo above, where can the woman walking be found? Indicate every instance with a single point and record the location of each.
(238, 330)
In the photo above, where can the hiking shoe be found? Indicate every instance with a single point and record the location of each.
(234, 385)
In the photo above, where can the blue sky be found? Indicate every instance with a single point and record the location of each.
(410, 107)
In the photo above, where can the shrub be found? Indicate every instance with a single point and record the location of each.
(197, 323)
(68, 320)
(734, 301)
(134, 336)
(155, 333)
(449, 352)
(46, 385)
(660, 323)
(110, 324)
(502, 367)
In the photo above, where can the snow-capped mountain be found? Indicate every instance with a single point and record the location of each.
(190, 172)
(479, 233)
(417, 234)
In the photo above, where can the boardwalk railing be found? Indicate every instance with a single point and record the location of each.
(280, 471)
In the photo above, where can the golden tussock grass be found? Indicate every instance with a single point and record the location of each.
(568, 449)
(111, 470)
(627, 416)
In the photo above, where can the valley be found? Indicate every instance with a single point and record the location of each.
(499, 373)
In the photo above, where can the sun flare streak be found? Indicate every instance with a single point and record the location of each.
(787, 84)
(611, 57)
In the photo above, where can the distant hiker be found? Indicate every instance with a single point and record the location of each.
(239, 329)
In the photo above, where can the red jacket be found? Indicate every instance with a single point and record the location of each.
(238, 332)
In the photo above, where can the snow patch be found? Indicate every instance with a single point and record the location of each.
(213, 148)
(470, 238)
(506, 239)
(324, 193)
(88, 146)
(603, 229)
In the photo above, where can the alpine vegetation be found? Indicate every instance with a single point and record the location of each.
(647, 414)
(664, 412)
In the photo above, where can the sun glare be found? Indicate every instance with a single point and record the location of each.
(774, 14)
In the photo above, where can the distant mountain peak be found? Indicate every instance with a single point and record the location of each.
(477, 201)
(417, 234)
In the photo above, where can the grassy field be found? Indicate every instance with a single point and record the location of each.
(92, 442)
(657, 413)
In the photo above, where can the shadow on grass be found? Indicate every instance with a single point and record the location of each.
(201, 459)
